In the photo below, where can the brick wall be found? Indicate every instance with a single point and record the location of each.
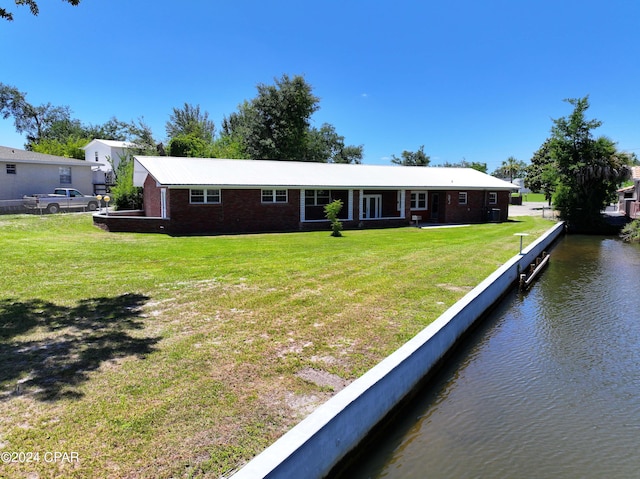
(240, 211)
(151, 198)
(130, 223)
(477, 208)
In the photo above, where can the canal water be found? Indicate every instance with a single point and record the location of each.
(547, 387)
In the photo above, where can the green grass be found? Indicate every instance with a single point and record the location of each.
(156, 356)
(533, 197)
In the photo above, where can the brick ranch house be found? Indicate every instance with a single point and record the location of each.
(208, 195)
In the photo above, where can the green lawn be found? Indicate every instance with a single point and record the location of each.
(533, 197)
(153, 356)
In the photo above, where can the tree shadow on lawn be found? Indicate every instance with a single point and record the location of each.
(46, 350)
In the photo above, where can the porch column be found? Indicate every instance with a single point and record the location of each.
(163, 203)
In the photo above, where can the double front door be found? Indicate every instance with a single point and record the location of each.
(371, 206)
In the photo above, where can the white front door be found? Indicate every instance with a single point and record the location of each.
(371, 206)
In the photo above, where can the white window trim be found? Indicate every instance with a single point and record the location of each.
(462, 194)
(315, 197)
(349, 207)
(494, 195)
(426, 199)
(205, 194)
(273, 194)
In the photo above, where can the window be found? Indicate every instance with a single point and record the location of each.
(419, 200)
(204, 196)
(462, 198)
(96, 156)
(274, 196)
(65, 175)
(11, 169)
(493, 198)
(317, 197)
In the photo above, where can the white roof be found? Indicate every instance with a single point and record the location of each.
(110, 143)
(205, 172)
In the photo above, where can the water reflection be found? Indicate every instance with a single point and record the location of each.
(549, 386)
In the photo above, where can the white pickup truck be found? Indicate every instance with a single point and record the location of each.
(62, 198)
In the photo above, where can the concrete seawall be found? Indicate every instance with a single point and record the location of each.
(317, 444)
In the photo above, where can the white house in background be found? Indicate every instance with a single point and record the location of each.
(519, 182)
(108, 154)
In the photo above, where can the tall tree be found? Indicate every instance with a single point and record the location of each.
(325, 145)
(275, 124)
(33, 7)
(412, 158)
(31, 120)
(51, 129)
(511, 168)
(188, 146)
(542, 175)
(190, 121)
(141, 137)
(589, 170)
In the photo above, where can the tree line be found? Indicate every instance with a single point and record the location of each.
(578, 172)
(276, 124)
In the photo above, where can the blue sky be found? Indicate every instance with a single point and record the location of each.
(468, 79)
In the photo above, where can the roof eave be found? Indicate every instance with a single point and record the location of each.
(337, 187)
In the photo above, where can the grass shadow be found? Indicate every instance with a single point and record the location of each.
(46, 350)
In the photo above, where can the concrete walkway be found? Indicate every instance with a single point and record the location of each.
(533, 208)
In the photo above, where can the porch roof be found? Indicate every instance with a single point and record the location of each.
(224, 173)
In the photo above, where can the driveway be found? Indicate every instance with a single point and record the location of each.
(532, 208)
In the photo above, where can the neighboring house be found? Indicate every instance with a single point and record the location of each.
(26, 172)
(107, 154)
(629, 197)
(207, 195)
(519, 182)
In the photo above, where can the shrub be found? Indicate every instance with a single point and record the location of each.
(125, 195)
(631, 232)
(331, 211)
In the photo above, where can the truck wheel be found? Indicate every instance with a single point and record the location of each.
(93, 206)
(53, 208)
